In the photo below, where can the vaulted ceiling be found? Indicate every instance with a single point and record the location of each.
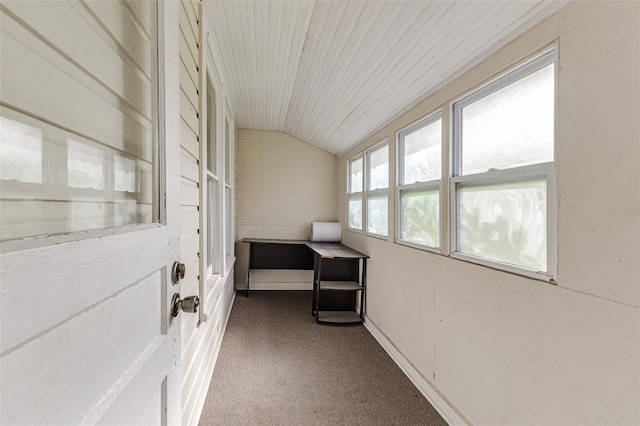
(332, 72)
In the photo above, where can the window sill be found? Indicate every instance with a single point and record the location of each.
(504, 267)
(378, 236)
(435, 250)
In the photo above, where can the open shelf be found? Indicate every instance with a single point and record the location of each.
(340, 285)
(339, 317)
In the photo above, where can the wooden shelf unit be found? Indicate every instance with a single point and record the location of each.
(339, 273)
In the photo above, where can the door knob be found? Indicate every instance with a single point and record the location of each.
(188, 304)
(177, 272)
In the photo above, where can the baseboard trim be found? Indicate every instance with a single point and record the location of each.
(202, 394)
(442, 406)
(275, 286)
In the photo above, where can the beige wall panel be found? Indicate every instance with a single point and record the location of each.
(283, 184)
(283, 181)
(514, 351)
(511, 350)
(599, 151)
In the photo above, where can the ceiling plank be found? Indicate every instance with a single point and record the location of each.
(333, 72)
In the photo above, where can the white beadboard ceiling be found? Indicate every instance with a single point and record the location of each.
(332, 72)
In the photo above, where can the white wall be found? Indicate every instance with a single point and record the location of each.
(283, 184)
(202, 333)
(504, 349)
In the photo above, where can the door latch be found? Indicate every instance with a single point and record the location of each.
(188, 304)
(177, 272)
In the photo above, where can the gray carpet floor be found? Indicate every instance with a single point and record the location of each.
(278, 367)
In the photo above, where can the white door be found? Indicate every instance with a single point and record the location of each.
(89, 209)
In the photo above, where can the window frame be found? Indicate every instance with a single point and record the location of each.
(359, 156)
(425, 121)
(210, 241)
(212, 202)
(366, 193)
(547, 170)
(228, 206)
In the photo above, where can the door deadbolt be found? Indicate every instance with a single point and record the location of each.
(177, 272)
(188, 304)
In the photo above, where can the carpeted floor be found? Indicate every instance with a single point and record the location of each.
(277, 367)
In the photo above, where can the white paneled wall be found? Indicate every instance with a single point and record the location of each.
(200, 340)
(283, 184)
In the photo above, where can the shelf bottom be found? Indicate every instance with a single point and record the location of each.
(339, 317)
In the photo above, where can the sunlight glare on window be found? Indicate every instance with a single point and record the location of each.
(420, 213)
(355, 212)
(20, 152)
(511, 127)
(377, 209)
(422, 154)
(355, 175)
(84, 165)
(505, 222)
(124, 174)
(378, 168)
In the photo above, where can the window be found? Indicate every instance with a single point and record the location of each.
(70, 172)
(212, 217)
(502, 189)
(217, 189)
(419, 178)
(355, 178)
(377, 189)
(228, 188)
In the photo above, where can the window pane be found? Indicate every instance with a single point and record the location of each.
(505, 222)
(510, 127)
(20, 152)
(212, 196)
(377, 212)
(211, 127)
(422, 154)
(354, 213)
(227, 163)
(420, 217)
(76, 166)
(124, 174)
(378, 168)
(84, 165)
(228, 222)
(355, 175)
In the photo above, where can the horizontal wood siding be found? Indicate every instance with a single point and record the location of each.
(190, 137)
(200, 340)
